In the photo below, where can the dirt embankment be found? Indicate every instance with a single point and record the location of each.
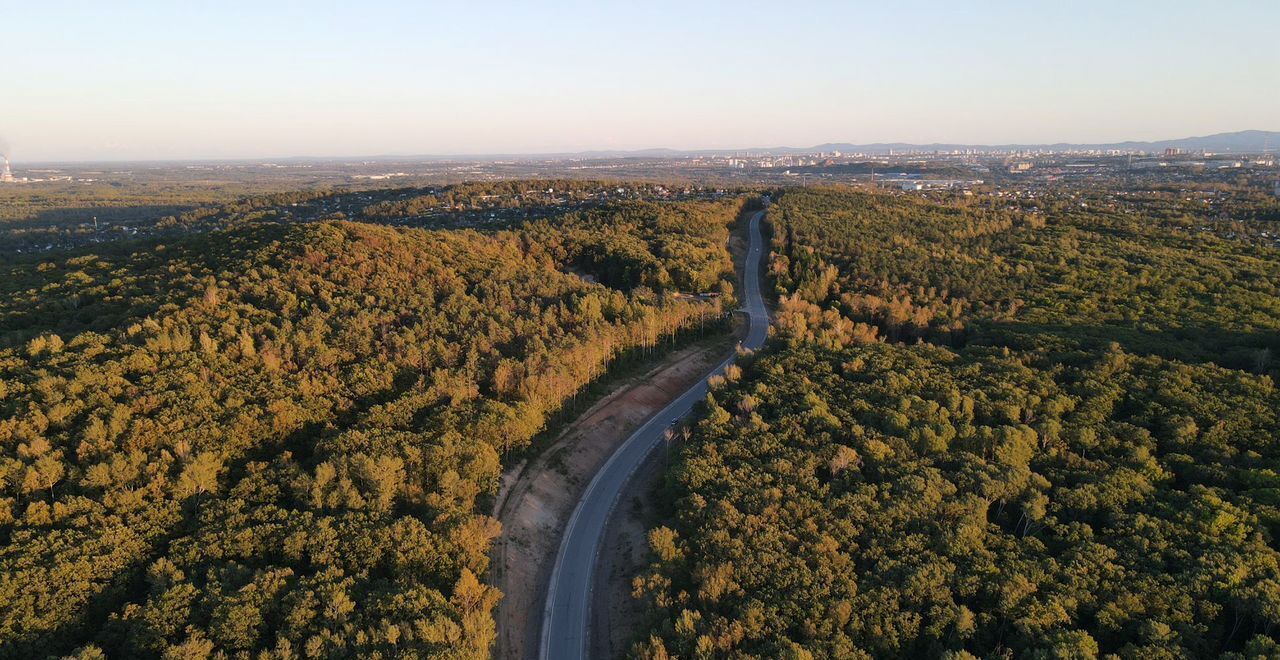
(537, 498)
(615, 615)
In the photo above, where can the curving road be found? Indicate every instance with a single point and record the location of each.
(564, 621)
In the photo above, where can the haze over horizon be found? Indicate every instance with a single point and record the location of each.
(1270, 143)
(151, 81)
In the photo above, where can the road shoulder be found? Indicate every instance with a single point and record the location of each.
(537, 498)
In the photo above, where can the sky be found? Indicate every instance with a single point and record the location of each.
(137, 80)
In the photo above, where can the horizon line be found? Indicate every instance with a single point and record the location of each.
(654, 151)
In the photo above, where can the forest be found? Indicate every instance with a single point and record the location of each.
(982, 272)
(171, 203)
(981, 431)
(280, 439)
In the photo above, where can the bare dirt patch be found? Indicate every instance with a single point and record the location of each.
(616, 615)
(538, 496)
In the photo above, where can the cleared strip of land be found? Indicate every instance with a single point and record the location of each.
(538, 497)
(567, 614)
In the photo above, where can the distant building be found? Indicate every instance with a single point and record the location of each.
(913, 184)
(1174, 151)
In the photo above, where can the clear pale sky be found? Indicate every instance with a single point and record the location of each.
(187, 79)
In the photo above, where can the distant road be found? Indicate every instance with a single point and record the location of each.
(564, 622)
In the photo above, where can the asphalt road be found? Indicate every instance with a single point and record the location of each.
(565, 633)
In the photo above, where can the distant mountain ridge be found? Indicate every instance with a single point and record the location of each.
(1238, 142)
(1251, 141)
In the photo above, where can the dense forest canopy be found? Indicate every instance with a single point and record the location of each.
(1078, 459)
(980, 271)
(278, 437)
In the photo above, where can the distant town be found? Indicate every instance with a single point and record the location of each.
(50, 206)
(909, 168)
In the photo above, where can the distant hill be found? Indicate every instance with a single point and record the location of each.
(1252, 141)
(1238, 142)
